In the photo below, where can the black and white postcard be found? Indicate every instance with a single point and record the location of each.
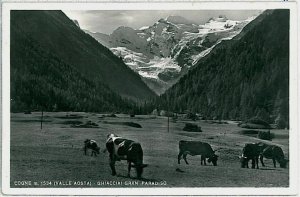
(149, 98)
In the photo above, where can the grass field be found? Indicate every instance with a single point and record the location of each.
(53, 156)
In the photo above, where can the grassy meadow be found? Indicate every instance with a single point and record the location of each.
(53, 156)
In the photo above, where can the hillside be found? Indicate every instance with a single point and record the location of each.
(54, 33)
(245, 77)
(56, 66)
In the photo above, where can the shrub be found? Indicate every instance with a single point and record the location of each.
(265, 135)
(132, 124)
(88, 124)
(257, 120)
(192, 116)
(27, 112)
(255, 123)
(192, 127)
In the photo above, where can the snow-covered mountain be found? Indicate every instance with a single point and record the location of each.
(165, 51)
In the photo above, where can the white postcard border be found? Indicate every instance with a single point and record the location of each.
(293, 140)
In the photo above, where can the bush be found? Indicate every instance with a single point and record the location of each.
(192, 127)
(88, 124)
(27, 112)
(132, 124)
(111, 116)
(255, 123)
(257, 120)
(265, 135)
(192, 116)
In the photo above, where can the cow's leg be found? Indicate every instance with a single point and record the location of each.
(112, 164)
(247, 163)
(274, 162)
(201, 160)
(253, 163)
(179, 157)
(256, 160)
(129, 168)
(184, 157)
(262, 160)
(84, 150)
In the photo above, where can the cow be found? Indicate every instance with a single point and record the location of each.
(275, 153)
(91, 144)
(250, 152)
(124, 149)
(257, 151)
(197, 148)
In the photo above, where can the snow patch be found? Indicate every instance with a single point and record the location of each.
(144, 27)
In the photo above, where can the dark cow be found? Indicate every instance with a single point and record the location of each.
(91, 144)
(250, 152)
(197, 148)
(123, 149)
(275, 153)
(261, 150)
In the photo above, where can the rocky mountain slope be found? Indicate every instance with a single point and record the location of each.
(165, 51)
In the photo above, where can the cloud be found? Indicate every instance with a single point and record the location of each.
(106, 21)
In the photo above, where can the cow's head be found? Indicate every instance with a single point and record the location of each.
(283, 163)
(135, 155)
(213, 158)
(243, 160)
(97, 150)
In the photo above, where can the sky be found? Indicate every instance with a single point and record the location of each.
(106, 21)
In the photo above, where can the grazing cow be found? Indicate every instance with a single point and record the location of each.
(123, 149)
(251, 152)
(91, 144)
(275, 153)
(261, 150)
(197, 148)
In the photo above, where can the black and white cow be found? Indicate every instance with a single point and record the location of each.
(91, 144)
(197, 148)
(123, 149)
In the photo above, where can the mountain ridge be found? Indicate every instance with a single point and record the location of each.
(62, 37)
(242, 78)
(57, 66)
(165, 51)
